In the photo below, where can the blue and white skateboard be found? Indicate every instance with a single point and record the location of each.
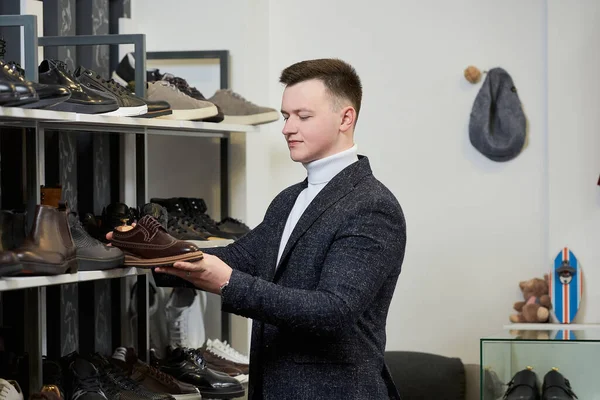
(566, 286)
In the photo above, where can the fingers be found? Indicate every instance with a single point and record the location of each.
(172, 271)
(185, 265)
(109, 236)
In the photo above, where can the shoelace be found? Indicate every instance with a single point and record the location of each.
(195, 356)
(4, 392)
(63, 65)
(89, 384)
(2, 47)
(182, 85)
(151, 224)
(155, 372)
(233, 220)
(227, 349)
(112, 84)
(237, 96)
(173, 87)
(178, 331)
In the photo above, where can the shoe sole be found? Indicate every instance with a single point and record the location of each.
(46, 103)
(94, 264)
(133, 261)
(36, 269)
(222, 394)
(154, 114)
(256, 119)
(128, 111)
(194, 114)
(67, 106)
(189, 396)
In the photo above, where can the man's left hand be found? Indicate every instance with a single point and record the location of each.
(208, 274)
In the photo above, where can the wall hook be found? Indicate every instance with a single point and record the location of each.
(472, 74)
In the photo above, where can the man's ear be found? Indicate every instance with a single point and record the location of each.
(348, 117)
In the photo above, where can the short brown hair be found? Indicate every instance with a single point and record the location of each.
(339, 77)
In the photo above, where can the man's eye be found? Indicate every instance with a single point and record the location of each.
(304, 117)
(285, 118)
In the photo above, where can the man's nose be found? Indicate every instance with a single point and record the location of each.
(289, 127)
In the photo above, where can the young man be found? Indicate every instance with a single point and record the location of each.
(318, 274)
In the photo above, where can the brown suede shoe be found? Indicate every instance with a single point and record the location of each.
(148, 245)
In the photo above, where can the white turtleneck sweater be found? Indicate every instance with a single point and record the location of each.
(320, 172)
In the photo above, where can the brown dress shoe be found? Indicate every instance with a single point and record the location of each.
(48, 249)
(148, 245)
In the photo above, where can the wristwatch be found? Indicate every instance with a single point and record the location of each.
(223, 287)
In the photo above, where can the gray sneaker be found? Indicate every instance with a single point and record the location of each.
(238, 110)
(91, 254)
(184, 107)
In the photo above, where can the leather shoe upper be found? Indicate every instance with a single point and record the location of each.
(149, 239)
(523, 386)
(557, 387)
(188, 367)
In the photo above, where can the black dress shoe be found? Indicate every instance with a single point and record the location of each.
(14, 94)
(189, 367)
(557, 387)
(129, 104)
(523, 386)
(48, 95)
(8, 93)
(83, 100)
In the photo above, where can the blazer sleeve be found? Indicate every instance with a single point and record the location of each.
(367, 250)
(242, 254)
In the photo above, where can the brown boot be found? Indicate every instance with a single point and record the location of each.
(49, 248)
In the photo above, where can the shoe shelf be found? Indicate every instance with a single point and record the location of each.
(47, 119)
(535, 327)
(17, 283)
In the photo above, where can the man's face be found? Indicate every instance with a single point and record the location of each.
(312, 122)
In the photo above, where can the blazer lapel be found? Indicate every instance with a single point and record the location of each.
(338, 187)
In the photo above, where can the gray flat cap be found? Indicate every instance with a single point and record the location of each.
(497, 126)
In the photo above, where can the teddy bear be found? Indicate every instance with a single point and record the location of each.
(537, 304)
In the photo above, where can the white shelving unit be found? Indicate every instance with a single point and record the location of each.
(15, 116)
(26, 282)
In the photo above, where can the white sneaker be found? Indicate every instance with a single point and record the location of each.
(224, 350)
(10, 390)
(185, 319)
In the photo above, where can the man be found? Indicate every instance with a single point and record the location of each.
(318, 274)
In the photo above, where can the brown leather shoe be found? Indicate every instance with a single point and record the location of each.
(148, 245)
(217, 363)
(48, 249)
(151, 378)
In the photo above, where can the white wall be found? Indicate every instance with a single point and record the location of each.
(475, 227)
(574, 140)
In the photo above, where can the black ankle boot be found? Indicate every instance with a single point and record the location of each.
(523, 386)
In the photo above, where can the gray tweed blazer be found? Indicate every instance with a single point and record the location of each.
(319, 319)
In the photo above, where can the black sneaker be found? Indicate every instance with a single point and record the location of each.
(197, 209)
(189, 367)
(83, 100)
(113, 215)
(119, 386)
(91, 254)
(233, 226)
(86, 381)
(48, 95)
(129, 104)
(181, 225)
